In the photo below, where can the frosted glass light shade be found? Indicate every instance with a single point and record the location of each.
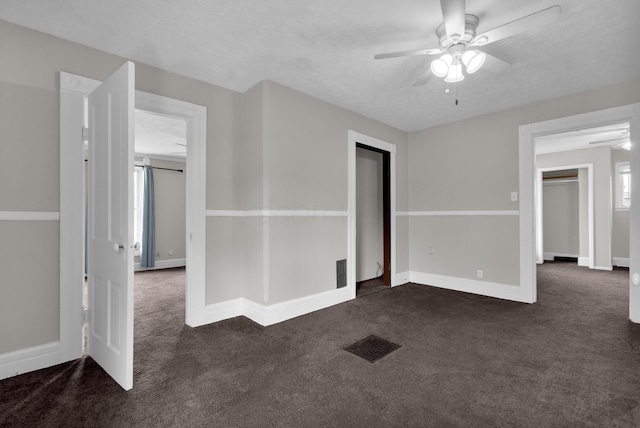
(473, 60)
(455, 74)
(440, 67)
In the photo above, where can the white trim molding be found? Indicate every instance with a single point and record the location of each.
(621, 261)
(484, 288)
(353, 138)
(527, 174)
(403, 278)
(161, 264)
(29, 359)
(266, 315)
(29, 216)
(275, 213)
(584, 261)
(551, 256)
(538, 201)
(458, 213)
(73, 91)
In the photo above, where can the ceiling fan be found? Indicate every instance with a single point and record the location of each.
(457, 35)
(183, 152)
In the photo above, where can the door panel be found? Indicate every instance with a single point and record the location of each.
(110, 242)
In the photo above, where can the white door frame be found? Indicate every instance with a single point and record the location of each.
(73, 91)
(354, 138)
(527, 134)
(539, 209)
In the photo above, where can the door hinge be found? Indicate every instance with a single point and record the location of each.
(85, 134)
(85, 315)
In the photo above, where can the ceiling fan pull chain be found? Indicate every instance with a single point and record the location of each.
(456, 92)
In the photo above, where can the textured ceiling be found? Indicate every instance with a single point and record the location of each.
(160, 136)
(614, 136)
(325, 48)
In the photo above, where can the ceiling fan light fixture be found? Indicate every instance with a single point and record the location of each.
(455, 74)
(440, 67)
(473, 60)
(481, 40)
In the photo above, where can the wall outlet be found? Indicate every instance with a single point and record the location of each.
(171, 252)
(514, 196)
(480, 273)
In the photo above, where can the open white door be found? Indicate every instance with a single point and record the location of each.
(110, 225)
(634, 220)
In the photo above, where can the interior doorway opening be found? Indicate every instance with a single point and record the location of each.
(160, 143)
(373, 219)
(530, 136)
(73, 92)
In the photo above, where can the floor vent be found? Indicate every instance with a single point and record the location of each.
(372, 348)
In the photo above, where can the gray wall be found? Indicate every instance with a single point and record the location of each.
(620, 232)
(369, 214)
(561, 218)
(29, 131)
(291, 154)
(473, 165)
(171, 208)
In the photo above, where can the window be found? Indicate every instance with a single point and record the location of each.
(623, 185)
(138, 186)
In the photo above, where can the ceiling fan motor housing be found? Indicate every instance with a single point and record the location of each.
(470, 26)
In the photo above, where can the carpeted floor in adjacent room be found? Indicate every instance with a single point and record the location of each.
(572, 359)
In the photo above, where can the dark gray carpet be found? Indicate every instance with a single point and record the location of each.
(370, 286)
(572, 359)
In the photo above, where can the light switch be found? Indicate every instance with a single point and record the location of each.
(514, 196)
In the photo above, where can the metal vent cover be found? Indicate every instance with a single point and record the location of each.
(372, 348)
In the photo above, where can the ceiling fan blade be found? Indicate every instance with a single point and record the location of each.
(453, 12)
(424, 78)
(612, 141)
(494, 65)
(409, 53)
(529, 22)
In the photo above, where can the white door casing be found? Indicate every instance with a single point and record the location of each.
(73, 91)
(110, 240)
(590, 211)
(630, 113)
(354, 138)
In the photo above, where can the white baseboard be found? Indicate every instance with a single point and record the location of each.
(222, 311)
(162, 264)
(29, 359)
(484, 288)
(402, 278)
(551, 256)
(609, 268)
(583, 261)
(621, 261)
(266, 315)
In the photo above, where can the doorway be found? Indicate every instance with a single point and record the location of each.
(528, 134)
(161, 143)
(73, 91)
(355, 139)
(373, 219)
(568, 190)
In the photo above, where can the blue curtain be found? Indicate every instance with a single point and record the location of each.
(148, 250)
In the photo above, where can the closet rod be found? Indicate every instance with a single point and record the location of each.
(155, 167)
(159, 167)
